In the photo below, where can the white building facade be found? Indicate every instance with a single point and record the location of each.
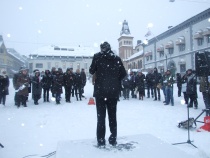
(175, 49)
(63, 57)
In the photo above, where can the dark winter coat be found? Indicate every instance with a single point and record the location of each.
(149, 79)
(68, 79)
(156, 78)
(126, 82)
(140, 83)
(47, 81)
(78, 82)
(15, 77)
(58, 83)
(191, 84)
(179, 80)
(36, 85)
(83, 75)
(109, 72)
(132, 81)
(168, 80)
(4, 84)
(23, 80)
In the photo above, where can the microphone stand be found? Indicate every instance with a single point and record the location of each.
(188, 129)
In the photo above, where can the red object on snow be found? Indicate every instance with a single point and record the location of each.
(206, 126)
(91, 101)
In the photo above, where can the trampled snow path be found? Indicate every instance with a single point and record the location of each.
(36, 130)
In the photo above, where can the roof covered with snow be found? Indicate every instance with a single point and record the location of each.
(135, 55)
(53, 50)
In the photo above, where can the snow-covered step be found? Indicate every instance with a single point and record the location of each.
(141, 146)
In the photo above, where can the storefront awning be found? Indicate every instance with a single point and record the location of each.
(148, 53)
(198, 34)
(180, 40)
(160, 48)
(206, 32)
(169, 45)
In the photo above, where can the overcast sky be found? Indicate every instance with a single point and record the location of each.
(29, 24)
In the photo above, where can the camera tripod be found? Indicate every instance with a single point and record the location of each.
(204, 110)
(1, 145)
(188, 130)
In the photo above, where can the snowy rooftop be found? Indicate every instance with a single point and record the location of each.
(135, 55)
(64, 51)
(15, 54)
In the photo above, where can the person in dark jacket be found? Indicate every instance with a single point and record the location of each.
(36, 87)
(156, 80)
(68, 81)
(83, 75)
(179, 83)
(4, 85)
(22, 90)
(126, 87)
(132, 84)
(205, 90)
(140, 84)
(14, 81)
(192, 89)
(46, 85)
(109, 71)
(168, 82)
(78, 84)
(57, 88)
(149, 80)
(53, 73)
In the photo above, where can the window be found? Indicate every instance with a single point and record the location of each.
(183, 68)
(49, 65)
(208, 39)
(39, 65)
(200, 41)
(147, 58)
(1, 50)
(170, 50)
(161, 54)
(150, 57)
(181, 47)
(71, 65)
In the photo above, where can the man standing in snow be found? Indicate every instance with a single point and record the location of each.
(109, 72)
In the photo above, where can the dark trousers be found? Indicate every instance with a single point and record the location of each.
(149, 87)
(192, 99)
(186, 98)
(57, 97)
(111, 105)
(206, 99)
(157, 92)
(78, 90)
(179, 90)
(126, 92)
(46, 94)
(2, 98)
(68, 93)
(36, 98)
(21, 99)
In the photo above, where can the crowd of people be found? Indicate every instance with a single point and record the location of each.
(137, 83)
(41, 84)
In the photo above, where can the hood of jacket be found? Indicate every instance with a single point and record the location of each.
(109, 55)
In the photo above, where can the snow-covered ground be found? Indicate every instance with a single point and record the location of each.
(37, 129)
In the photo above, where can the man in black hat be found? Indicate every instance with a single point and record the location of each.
(109, 71)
